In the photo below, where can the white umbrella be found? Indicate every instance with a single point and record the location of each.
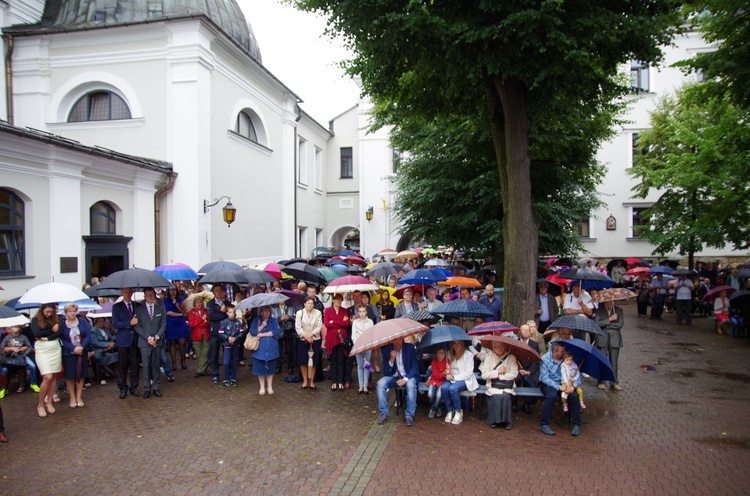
(52, 292)
(436, 262)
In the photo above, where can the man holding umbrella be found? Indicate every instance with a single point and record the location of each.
(577, 302)
(217, 312)
(151, 328)
(550, 377)
(123, 320)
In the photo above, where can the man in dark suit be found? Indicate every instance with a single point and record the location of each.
(546, 308)
(400, 370)
(217, 311)
(151, 327)
(123, 320)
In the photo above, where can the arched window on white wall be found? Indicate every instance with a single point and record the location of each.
(99, 106)
(249, 125)
(12, 230)
(103, 218)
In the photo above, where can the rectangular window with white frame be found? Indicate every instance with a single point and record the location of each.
(639, 77)
(318, 169)
(303, 245)
(302, 162)
(638, 217)
(347, 162)
(583, 228)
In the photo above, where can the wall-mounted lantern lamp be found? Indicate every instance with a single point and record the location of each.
(368, 214)
(228, 211)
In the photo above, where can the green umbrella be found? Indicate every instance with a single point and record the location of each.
(331, 274)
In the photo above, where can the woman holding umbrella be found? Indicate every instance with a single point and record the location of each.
(308, 324)
(336, 322)
(177, 329)
(499, 369)
(267, 329)
(76, 336)
(48, 355)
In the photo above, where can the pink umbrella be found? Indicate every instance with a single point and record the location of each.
(347, 284)
(714, 293)
(273, 269)
(384, 332)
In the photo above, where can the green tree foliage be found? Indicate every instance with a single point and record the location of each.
(725, 23)
(526, 61)
(698, 156)
(449, 189)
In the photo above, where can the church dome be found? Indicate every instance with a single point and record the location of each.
(66, 15)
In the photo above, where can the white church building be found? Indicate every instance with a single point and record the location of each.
(125, 120)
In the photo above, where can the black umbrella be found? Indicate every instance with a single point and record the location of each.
(463, 308)
(224, 276)
(569, 262)
(304, 272)
(684, 272)
(95, 291)
(577, 323)
(552, 287)
(669, 263)
(613, 262)
(384, 270)
(255, 276)
(221, 264)
(355, 269)
(744, 266)
(138, 279)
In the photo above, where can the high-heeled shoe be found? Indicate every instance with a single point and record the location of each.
(183, 365)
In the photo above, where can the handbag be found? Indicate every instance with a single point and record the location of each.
(252, 342)
(502, 384)
(15, 360)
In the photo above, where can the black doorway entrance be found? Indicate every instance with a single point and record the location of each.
(105, 254)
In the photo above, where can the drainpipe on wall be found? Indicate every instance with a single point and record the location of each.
(9, 77)
(294, 181)
(171, 176)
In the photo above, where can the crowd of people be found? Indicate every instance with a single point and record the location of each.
(164, 330)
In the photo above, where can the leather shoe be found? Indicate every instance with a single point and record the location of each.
(526, 409)
(146, 394)
(545, 429)
(134, 392)
(514, 408)
(3, 438)
(123, 394)
(169, 379)
(576, 430)
(157, 393)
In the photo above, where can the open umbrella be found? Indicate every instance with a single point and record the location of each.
(384, 332)
(331, 274)
(685, 272)
(589, 359)
(104, 312)
(321, 249)
(613, 294)
(176, 272)
(304, 272)
(589, 279)
(224, 276)
(463, 308)
(672, 264)
(638, 271)
(497, 328)
(464, 282)
(271, 268)
(10, 317)
(347, 284)
(436, 262)
(384, 270)
(577, 323)
(295, 300)
(517, 348)
(422, 276)
(261, 300)
(345, 253)
(257, 276)
(134, 278)
(566, 262)
(221, 264)
(407, 254)
(421, 288)
(387, 252)
(712, 294)
(355, 269)
(739, 299)
(51, 292)
(422, 315)
(553, 287)
(95, 292)
(661, 269)
(443, 334)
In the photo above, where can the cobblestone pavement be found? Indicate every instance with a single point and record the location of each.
(679, 429)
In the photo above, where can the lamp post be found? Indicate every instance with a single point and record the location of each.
(229, 213)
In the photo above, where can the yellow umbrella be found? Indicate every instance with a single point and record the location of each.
(407, 254)
(376, 298)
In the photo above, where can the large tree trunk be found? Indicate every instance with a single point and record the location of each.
(510, 134)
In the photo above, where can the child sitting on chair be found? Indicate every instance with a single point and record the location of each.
(17, 346)
(440, 366)
(570, 374)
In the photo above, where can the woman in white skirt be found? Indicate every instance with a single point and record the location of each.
(47, 332)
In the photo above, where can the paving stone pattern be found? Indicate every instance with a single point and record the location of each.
(679, 429)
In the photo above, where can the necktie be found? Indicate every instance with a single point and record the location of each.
(151, 312)
(130, 309)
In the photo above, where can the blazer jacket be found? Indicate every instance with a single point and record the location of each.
(147, 326)
(121, 322)
(613, 329)
(552, 307)
(67, 345)
(409, 355)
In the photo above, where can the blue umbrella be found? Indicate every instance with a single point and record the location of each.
(589, 359)
(660, 269)
(422, 276)
(445, 272)
(443, 334)
(176, 272)
(345, 253)
(83, 305)
(463, 308)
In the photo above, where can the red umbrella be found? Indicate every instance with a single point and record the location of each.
(560, 281)
(422, 288)
(712, 294)
(638, 270)
(497, 328)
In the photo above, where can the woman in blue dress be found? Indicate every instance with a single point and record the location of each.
(267, 329)
(177, 328)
